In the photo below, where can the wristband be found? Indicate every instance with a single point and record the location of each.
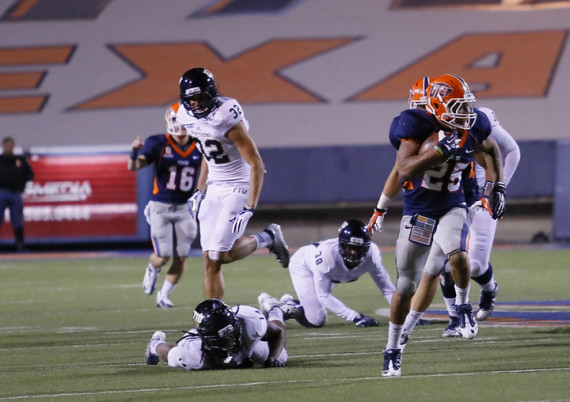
(134, 155)
(248, 208)
(438, 150)
(383, 202)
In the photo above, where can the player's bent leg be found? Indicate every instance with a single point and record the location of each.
(449, 295)
(460, 268)
(151, 355)
(214, 286)
(425, 293)
(487, 303)
(151, 273)
(242, 247)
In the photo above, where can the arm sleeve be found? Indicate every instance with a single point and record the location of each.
(323, 287)
(380, 276)
(510, 152)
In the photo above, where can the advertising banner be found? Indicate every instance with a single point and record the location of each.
(79, 197)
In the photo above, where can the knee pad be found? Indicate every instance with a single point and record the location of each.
(301, 318)
(405, 286)
(213, 255)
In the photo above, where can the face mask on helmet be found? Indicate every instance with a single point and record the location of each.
(354, 242)
(218, 327)
(172, 126)
(451, 101)
(198, 92)
(418, 94)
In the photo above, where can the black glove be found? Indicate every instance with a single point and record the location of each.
(273, 362)
(497, 200)
(364, 321)
(448, 145)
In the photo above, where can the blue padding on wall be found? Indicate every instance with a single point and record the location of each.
(325, 174)
(561, 222)
(357, 173)
(536, 171)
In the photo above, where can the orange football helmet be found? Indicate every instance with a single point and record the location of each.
(418, 94)
(451, 101)
(172, 126)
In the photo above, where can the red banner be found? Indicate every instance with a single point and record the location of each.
(78, 196)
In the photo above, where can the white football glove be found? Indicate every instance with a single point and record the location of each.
(376, 221)
(240, 220)
(194, 203)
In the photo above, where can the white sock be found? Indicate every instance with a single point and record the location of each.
(489, 286)
(275, 314)
(450, 304)
(153, 267)
(154, 343)
(264, 239)
(411, 320)
(462, 295)
(167, 289)
(394, 334)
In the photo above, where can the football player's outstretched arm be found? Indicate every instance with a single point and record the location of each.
(249, 152)
(391, 189)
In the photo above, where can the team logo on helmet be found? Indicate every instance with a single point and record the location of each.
(440, 89)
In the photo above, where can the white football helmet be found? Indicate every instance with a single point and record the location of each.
(172, 126)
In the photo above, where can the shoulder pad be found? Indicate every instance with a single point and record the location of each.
(228, 113)
(490, 115)
(482, 127)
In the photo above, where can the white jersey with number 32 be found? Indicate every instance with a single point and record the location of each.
(225, 163)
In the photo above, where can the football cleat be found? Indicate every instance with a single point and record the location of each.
(289, 306)
(467, 323)
(149, 280)
(487, 304)
(392, 362)
(152, 358)
(278, 247)
(452, 330)
(266, 303)
(163, 302)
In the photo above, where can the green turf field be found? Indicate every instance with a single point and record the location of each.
(76, 330)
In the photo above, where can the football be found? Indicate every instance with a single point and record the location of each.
(429, 143)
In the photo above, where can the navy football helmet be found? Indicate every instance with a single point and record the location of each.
(354, 242)
(198, 92)
(218, 327)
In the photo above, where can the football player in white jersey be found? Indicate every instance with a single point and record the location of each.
(224, 337)
(232, 171)
(317, 267)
